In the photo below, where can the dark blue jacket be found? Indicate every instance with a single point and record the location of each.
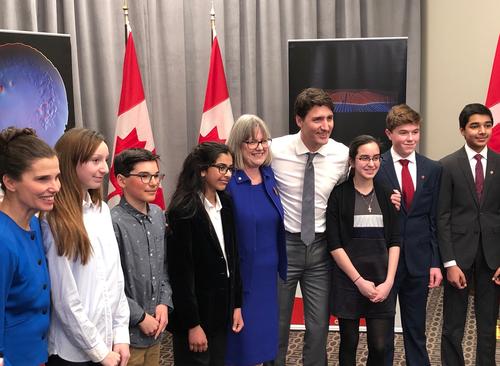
(239, 188)
(418, 224)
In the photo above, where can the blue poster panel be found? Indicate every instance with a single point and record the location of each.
(36, 88)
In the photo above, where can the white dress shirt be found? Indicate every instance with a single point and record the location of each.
(412, 167)
(472, 162)
(216, 220)
(289, 163)
(90, 312)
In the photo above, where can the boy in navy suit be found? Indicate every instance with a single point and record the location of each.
(418, 180)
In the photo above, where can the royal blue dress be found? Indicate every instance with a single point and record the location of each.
(24, 294)
(261, 255)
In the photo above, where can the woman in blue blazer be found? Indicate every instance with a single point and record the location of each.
(261, 239)
(29, 176)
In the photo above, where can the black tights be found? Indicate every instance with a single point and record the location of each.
(377, 330)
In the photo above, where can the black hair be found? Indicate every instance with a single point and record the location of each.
(469, 110)
(360, 141)
(19, 148)
(185, 201)
(125, 161)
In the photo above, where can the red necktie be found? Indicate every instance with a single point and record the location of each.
(479, 176)
(407, 183)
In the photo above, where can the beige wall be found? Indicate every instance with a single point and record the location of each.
(459, 38)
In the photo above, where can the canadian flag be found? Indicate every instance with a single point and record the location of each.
(133, 129)
(217, 118)
(493, 100)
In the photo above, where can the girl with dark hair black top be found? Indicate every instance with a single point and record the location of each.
(363, 238)
(203, 259)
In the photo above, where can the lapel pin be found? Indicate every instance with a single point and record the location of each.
(491, 172)
(422, 177)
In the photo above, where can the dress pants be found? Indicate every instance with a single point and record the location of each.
(214, 356)
(486, 301)
(310, 266)
(412, 292)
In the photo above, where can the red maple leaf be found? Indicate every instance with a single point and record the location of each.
(213, 136)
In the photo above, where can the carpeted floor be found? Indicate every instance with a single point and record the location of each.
(434, 317)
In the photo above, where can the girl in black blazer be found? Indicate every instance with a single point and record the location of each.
(363, 238)
(203, 259)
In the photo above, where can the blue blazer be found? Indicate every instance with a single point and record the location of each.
(418, 224)
(239, 188)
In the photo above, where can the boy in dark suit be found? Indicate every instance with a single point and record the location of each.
(418, 179)
(469, 237)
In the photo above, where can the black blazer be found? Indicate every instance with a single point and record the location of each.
(462, 219)
(418, 225)
(340, 215)
(202, 294)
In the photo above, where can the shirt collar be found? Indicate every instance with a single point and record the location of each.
(133, 211)
(301, 149)
(208, 205)
(87, 201)
(471, 153)
(396, 157)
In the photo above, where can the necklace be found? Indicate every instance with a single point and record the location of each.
(366, 201)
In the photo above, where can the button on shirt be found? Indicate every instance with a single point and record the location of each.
(289, 162)
(141, 239)
(216, 220)
(90, 309)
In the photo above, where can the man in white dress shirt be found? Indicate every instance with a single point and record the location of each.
(310, 150)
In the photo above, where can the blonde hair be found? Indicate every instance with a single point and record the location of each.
(75, 147)
(243, 129)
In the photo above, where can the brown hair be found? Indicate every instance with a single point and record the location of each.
(75, 147)
(310, 98)
(400, 115)
(19, 148)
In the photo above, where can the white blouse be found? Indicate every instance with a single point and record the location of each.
(90, 312)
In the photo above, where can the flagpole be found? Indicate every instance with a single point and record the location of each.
(125, 15)
(212, 23)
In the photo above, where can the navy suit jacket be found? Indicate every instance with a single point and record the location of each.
(239, 188)
(418, 225)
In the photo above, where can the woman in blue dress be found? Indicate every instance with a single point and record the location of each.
(261, 239)
(29, 174)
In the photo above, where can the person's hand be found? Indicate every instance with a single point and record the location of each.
(149, 325)
(197, 339)
(112, 359)
(435, 277)
(496, 277)
(237, 320)
(396, 199)
(383, 291)
(123, 350)
(367, 288)
(456, 277)
(161, 315)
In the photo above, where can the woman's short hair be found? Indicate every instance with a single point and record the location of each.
(245, 129)
(19, 148)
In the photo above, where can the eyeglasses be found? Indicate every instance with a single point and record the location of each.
(368, 158)
(252, 144)
(146, 177)
(223, 168)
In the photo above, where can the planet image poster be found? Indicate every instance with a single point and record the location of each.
(36, 87)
